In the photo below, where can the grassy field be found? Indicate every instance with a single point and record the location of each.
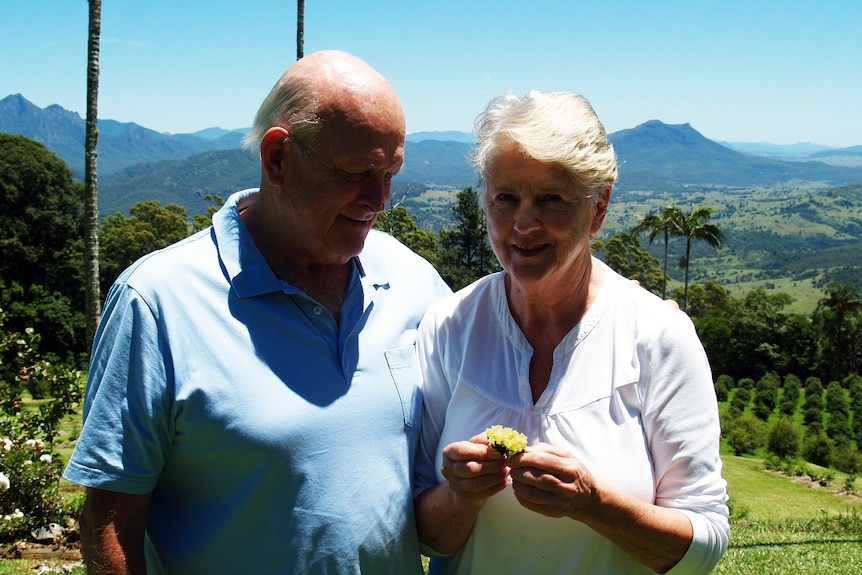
(781, 525)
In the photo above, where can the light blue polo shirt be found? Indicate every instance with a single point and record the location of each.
(273, 439)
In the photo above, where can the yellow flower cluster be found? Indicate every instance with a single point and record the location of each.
(506, 440)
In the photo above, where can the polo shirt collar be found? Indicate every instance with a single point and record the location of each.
(245, 267)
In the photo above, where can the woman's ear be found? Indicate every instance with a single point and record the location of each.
(272, 150)
(601, 210)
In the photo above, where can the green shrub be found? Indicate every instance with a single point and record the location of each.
(723, 385)
(849, 462)
(785, 438)
(746, 435)
(819, 449)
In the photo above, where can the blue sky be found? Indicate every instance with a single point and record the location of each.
(779, 71)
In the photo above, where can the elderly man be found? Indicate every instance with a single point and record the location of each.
(253, 403)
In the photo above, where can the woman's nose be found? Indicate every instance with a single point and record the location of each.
(526, 217)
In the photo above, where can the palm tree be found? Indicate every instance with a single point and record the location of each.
(91, 199)
(300, 28)
(694, 226)
(666, 223)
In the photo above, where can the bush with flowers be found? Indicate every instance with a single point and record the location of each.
(29, 481)
(29, 469)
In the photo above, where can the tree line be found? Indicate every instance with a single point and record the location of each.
(759, 352)
(43, 281)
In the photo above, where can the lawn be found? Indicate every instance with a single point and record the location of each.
(782, 525)
(779, 525)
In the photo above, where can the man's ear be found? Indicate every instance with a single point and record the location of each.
(272, 150)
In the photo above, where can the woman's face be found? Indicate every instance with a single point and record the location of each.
(538, 223)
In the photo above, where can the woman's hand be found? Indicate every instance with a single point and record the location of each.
(474, 472)
(446, 513)
(551, 481)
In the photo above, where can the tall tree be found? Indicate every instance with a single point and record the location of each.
(300, 28)
(150, 226)
(400, 223)
(41, 247)
(838, 318)
(465, 255)
(91, 198)
(694, 226)
(624, 254)
(664, 223)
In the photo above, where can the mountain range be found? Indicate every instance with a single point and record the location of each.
(136, 163)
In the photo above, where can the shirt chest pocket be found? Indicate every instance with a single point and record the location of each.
(404, 368)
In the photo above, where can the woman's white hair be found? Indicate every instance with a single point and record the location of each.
(552, 127)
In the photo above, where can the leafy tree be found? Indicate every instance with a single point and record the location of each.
(694, 226)
(819, 449)
(708, 297)
(759, 332)
(623, 253)
(41, 228)
(746, 383)
(747, 435)
(715, 332)
(784, 438)
(465, 255)
(838, 423)
(201, 221)
(149, 227)
(790, 396)
(838, 318)
(400, 223)
(664, 223)
(854, 385)
(766, 395)
(741, 398)
(849, 462)
(812, 407)
(723, 385)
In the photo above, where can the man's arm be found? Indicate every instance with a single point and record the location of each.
(112, 532)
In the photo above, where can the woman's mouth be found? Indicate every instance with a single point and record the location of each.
(529, 250)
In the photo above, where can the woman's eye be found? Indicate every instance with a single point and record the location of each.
(552, 198)
(504, 197)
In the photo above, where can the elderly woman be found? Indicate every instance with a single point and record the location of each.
(611, 385)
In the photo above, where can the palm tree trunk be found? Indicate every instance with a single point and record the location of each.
(91, 198)
(664, 279)
(687, 261)
(300, 28)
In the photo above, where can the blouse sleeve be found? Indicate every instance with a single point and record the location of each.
(681, 423)
(436, 394)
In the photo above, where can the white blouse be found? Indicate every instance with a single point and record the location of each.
(630, 394)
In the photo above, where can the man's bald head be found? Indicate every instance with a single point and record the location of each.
(323, 87)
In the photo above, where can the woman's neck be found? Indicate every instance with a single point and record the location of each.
(548, 310)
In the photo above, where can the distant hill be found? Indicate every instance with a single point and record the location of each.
(216, 133)
(442, 136)
(138, 163)
(184, 182)
(658, 156)
(120, 144)
(792, 151)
